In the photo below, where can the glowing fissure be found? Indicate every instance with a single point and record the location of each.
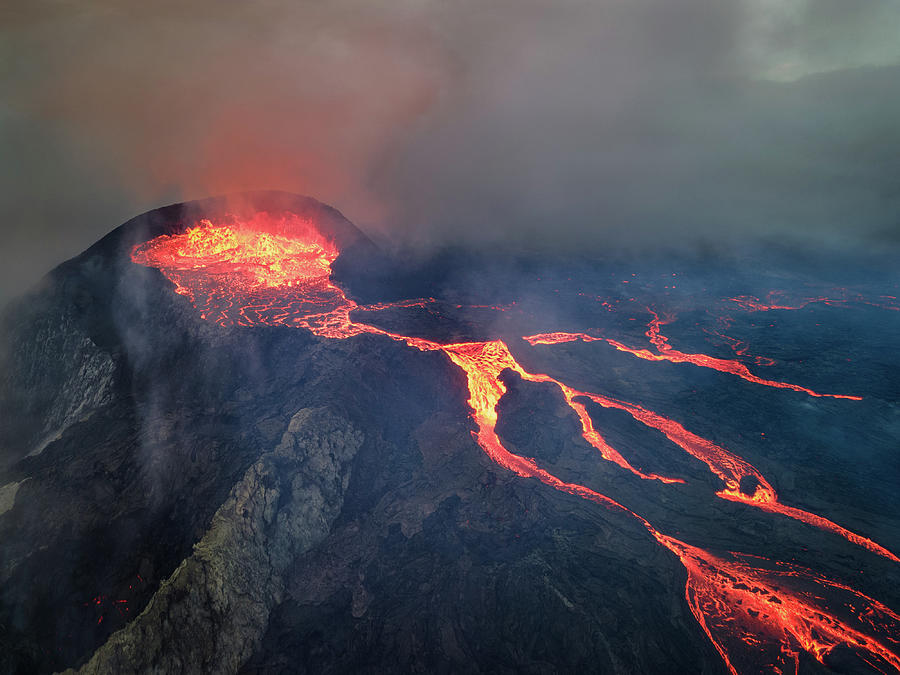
(276, 271)
(773, 301)
(740, 348)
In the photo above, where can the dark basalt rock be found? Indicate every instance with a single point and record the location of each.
(209, 616)
(534, 419)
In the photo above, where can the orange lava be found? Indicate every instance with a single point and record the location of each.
(739, 347)
(730, 468)
(266, 270)
(276, 271)
(559, 338)
(841, 296)
(667, 353)
(754, 304)
(759, 619)
(483, 362)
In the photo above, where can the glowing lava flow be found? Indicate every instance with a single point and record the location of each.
(739, 347)
(733, 471)
(668, 353)
(730, 468)
(483, 362)
(276, 271)
(739, 603)
(266, 271)
(773, 302)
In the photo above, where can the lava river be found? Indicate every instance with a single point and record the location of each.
(276, 270)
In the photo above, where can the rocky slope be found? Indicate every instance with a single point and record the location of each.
(210, 615)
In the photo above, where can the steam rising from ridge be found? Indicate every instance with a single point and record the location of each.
(568, 124)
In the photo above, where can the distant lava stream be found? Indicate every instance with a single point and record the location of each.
(276, 270)
(667, 353)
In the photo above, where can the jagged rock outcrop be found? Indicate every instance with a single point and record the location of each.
(211, 613)
(8, 495)
(54, 374)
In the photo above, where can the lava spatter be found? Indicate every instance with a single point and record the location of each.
(275, 270)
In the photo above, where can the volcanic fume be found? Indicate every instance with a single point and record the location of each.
(222, 458)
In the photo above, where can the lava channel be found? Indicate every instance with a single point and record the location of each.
(665, 352)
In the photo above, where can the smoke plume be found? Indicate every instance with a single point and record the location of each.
(572, 124)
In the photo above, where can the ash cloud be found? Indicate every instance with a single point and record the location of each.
(574, 125)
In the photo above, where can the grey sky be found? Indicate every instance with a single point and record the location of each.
(598, 124)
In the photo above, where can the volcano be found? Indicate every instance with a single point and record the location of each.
(237, 436)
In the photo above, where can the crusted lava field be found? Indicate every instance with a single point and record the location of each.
(235, 436)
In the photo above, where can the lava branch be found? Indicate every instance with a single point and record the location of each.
(739, 347)
(483, 362)
(736, 602)
(255, 274)
(751, 303)
(667, 353)
(730, 468)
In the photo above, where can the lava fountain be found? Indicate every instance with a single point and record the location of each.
(276, 270)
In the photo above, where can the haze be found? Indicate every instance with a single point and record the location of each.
(573, 125)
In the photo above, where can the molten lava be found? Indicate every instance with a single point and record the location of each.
(774, 301)
(275, 270)
(759, 619)
(667, 353)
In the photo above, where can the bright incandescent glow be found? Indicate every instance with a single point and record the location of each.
(275, 270)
